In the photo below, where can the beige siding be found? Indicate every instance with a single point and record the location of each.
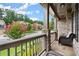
(64, 26)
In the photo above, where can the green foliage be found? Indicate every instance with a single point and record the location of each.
(51, 24)
(15, 31)
(39, 22)
(7, 20)
(1, 13)
(26, 19)
(10, 16)
(29, 27)
(20, 17)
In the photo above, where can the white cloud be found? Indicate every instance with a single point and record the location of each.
(37, 11)
(33, 3)
(29, 12)
(5, 7)
(17, 10)
(22, 9)
(21, 12)
(34, 19)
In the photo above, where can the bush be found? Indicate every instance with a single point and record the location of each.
(29, 27)
(23, 27)
(15, 32)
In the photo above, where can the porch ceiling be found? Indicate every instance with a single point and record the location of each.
(52, 8)
(55, 9)
(45, 7)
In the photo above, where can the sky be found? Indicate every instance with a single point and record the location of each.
(33, 10)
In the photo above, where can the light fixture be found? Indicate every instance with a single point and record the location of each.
(62, 5)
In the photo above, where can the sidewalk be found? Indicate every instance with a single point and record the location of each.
(1, 31)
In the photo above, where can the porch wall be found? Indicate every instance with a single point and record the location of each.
(64, 26)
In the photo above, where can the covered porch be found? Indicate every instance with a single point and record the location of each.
(46, 42)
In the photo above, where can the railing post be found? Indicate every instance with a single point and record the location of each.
(48, 31)
(8, 51)
(46, 24)
(48, 41)
(45, 42)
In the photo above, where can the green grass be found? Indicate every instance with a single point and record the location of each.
(28, 32)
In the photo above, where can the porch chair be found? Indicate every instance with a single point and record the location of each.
(67, 41)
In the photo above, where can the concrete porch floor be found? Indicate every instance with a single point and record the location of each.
(64, 50)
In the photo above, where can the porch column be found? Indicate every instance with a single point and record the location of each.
(46, 27)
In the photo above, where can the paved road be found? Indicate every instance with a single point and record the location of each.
(4, 38)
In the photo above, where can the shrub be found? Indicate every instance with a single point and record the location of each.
(15, 32)
(29, 27)
(23, 27)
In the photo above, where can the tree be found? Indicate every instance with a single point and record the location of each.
(1, 13)
(20, 17)
(29, 27)
(10, 16)
(7, 20)
(26, 19)
(39, 22)
(51, 24)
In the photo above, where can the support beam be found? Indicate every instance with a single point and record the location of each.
(48, 30)
(54, 9)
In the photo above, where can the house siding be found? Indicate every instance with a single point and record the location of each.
(64, 26)
(76, 31)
